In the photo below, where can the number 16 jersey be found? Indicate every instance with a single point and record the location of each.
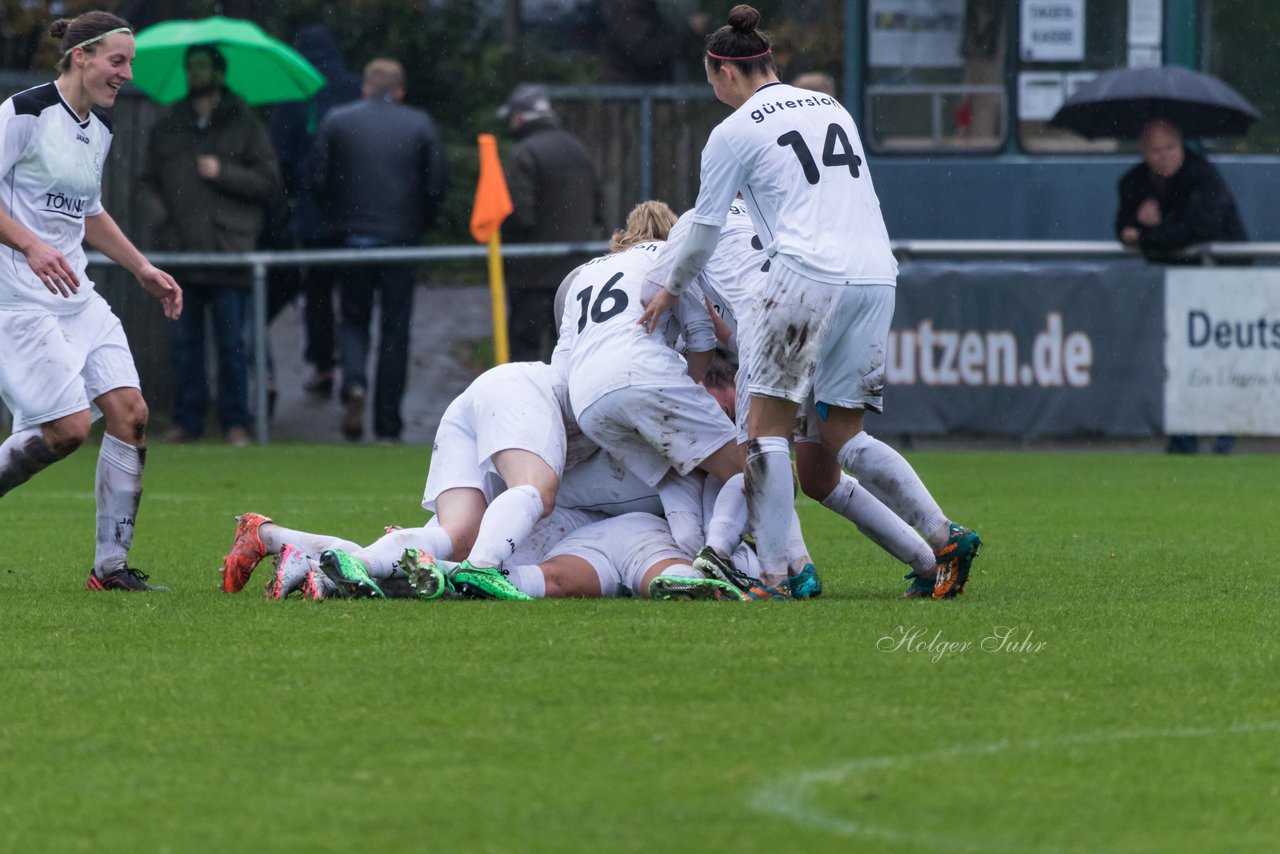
(602, 348)
(796, 158)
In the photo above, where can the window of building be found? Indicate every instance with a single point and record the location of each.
(1065, 43)
(935, 75)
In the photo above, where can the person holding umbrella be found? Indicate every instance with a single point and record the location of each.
(210, 171)
(1171, 200)
(1174, 199)
(64, 357)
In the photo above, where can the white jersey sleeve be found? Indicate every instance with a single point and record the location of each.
(15, 135)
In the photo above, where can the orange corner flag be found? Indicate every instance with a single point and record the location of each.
(493, 201)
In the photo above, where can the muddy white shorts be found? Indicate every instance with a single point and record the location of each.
(621, 550)
(603, 484)
(52, 365)
(811, 336)
(652, 429)
(501, 410)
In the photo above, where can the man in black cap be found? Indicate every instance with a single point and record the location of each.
(555, 196)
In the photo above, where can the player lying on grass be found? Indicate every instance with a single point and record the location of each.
(570, 554)
(496, 464)
(630, 555)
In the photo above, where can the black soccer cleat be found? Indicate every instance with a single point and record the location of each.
(122, 579)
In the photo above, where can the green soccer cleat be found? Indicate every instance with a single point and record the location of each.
(349, 575)
(806, 584)
(426, 576)
(712, 565)
(954, 561)
(678, 587)
(484, 582)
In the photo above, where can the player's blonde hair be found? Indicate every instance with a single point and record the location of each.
(651, 220)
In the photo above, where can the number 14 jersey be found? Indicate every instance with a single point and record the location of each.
(796, 158)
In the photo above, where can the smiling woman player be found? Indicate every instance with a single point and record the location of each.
(61, 348)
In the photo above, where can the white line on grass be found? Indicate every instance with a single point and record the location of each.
(792, 797)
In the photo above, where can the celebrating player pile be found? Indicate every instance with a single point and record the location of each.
(801, 284)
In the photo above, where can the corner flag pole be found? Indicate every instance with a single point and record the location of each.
(498, 295)
(492, 206)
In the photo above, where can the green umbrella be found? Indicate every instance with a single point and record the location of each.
(260, 69)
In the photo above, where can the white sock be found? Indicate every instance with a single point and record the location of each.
(507, 521)
(881, 525)
(529, 578)
(890, 478)
(798, 556)
(274, 537)
(681, 497)
(383, 555)
(728, 518)
(118, 490)
(770, 502)
(22, 455)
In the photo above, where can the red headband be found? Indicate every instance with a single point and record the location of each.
(738, 58)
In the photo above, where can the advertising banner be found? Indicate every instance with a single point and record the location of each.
(1030, 350)
(1222, 354)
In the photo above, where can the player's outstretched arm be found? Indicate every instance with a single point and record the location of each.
(47, 263)
(104, 235)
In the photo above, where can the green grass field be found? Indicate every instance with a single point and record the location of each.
(1134, 706)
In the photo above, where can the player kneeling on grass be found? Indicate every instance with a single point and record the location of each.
(496, 463)
(632, 393)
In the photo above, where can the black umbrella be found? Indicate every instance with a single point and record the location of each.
(1119, 103)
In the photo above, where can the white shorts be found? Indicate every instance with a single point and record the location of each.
(501, 410)
(653, 429)
(806, 428)
(603, 484)
(819, 338)
(622, 550)
(53, 365)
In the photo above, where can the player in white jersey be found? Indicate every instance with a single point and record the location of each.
(63, 355)
(821, 322)
(631, 392)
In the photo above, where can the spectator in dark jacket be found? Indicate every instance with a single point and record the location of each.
(379, 173)
(1175, 199)
(209, 174)
(293, 125)
(555, 198)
